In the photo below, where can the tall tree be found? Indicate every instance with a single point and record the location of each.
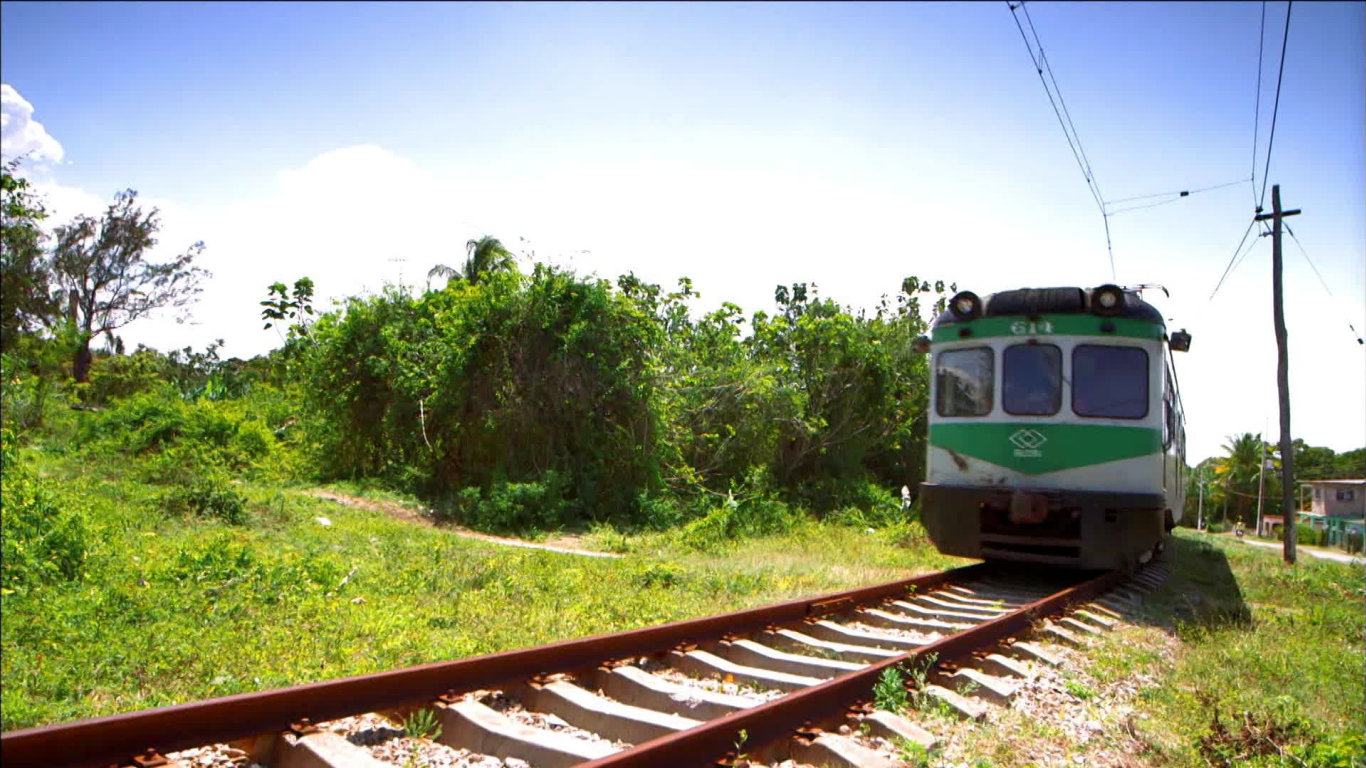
(483, 256)
(1238, 468)
(101, 267)
(25, 303)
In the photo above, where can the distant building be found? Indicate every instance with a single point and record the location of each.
(1338, 508)
(1338, 498)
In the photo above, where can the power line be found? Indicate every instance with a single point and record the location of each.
(1236, 252)
(1040, 63)
(1248, 250)
(1175, 197)
(1257, 111)
(1322, 282)
(1276, 109)
(1043, 55)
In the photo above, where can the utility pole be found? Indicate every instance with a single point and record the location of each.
(1200, 508)
(1261, 476)
(1282, 372)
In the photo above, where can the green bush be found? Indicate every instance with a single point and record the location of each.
(180, 439)
(490, 384)
(514, 507)
(45, 536)
(856, 502)
(113, 377)
(1304, 534)
(209, 495)
(756, 512)
(25, 397)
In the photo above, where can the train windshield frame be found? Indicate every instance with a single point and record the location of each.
(965, 381)
(1031, 379)
(1110, 381)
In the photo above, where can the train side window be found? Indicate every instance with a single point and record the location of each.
(963, 381)
(1031, 379)
(1167, 420)
(1109, 382)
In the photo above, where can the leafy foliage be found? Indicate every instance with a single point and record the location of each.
(484, 256)
(889, 692)
(547, 399)
(102, 266)
(496, 382)
(281, 305)
(25, 300)
(45, 536)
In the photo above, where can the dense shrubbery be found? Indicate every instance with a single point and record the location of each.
(530, 401)
(489, 384)
(45, 536)
(549, 399)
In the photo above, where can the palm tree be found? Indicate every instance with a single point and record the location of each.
(483, 257)
(1239, 467)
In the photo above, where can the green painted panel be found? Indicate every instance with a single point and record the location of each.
(1035, 448)
(1049, 325)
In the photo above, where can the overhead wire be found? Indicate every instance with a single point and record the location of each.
(1175, 196)
(1257, 110)
(1043, 55)
(1248, 250)
(1232, 259)
(1277, 108)
(1319, 275)
(1239, 253)
(1069, 130)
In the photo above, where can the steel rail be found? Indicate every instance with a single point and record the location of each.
(117, 738)
(780, 718)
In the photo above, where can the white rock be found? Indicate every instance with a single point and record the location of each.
(324, 522)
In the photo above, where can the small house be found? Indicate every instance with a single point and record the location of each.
(1338, 498)
(1338, 508)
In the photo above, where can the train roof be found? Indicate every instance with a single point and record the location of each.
(1053, 301)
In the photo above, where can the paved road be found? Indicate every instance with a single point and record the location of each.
(1341, 557)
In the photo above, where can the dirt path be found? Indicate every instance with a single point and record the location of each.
(568, 544)
(1322, 554)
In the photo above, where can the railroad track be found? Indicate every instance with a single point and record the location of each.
(773, 683)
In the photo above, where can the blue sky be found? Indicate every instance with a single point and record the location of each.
(744, 145)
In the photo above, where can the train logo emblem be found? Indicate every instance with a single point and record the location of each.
(1030, 327)
(1027, 442)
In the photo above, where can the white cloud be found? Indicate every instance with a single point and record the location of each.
(20, 134)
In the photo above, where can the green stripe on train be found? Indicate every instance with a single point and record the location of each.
(1049, 325)
(1035, 448)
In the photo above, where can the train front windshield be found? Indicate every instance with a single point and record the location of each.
(1109, 382)
(1031, 382)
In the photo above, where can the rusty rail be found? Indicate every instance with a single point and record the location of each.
(780, 718)
(117, 738)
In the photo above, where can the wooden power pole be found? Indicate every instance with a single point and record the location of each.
(1282, 372)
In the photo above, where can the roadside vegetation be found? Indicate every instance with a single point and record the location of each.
(160, 544)
(162, 540)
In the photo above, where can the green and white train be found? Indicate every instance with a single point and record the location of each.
(1056, 432)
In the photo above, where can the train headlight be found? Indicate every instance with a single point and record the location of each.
(965, 305)
(1107, 300)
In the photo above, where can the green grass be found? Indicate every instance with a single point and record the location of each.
(174, 607)
(1258, 641)
(1240, 659)
(1237, 660)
